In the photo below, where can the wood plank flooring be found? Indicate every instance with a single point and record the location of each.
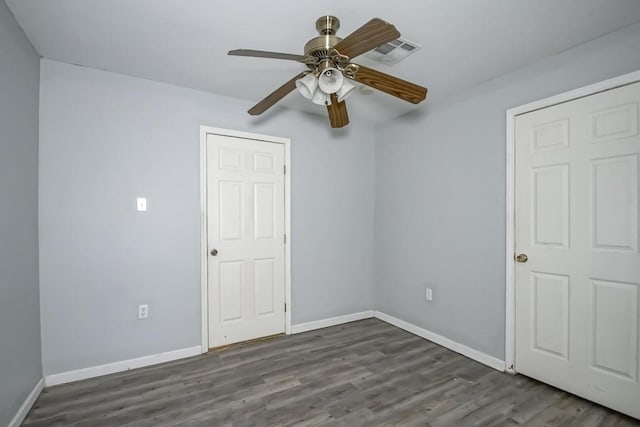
(365, 373)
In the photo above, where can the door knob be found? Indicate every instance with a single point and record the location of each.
(214, 252)
(522, 258)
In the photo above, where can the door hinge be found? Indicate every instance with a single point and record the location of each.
(284, 168)
(285, 307)
(285, 239)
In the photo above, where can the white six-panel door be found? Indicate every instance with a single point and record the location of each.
(245, 227)
(577, 296)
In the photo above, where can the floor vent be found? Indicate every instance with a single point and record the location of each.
(394, 51)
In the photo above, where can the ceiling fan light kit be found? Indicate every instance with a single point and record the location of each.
(328, 59)
(307, 85)
(321, 98)
(330, 80)
(345, 90)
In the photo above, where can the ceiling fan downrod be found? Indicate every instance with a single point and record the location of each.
(328, 25)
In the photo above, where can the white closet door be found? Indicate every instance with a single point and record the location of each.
(577, 296)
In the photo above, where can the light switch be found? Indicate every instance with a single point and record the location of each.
(143, 311)
(142, 204)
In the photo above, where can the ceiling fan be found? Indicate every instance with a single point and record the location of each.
(330, 70)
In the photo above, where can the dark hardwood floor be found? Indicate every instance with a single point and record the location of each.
(365, 373)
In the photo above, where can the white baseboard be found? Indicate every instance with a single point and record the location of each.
(471, 353)
(333, 321)
(111, 368)
(28, 403)
(124, 365)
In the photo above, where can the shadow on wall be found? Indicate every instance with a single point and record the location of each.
(415, 116)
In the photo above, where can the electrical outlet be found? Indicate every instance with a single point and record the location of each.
(428, 294)
(141, 204)
(143, 311)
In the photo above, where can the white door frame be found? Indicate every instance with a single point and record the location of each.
(286, 142)
(510, 323)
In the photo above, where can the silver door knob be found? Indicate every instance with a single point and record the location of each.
(522, 258)
(214, 252)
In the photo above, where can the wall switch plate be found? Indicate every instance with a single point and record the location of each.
(141, 204)
(428, 294)
(143, 311)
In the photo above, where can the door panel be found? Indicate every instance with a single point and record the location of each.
(550, 222)
(614, 123)
(245, 224)
(264, 214)
(577, 299)
(551, 313)
(614, 307)
(230, 197)
(264, 281)
(231, 284)
(614, 194)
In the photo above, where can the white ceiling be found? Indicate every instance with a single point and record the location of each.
(184, 42)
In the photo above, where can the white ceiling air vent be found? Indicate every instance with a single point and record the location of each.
(394, 51)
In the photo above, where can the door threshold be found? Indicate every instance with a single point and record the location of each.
(243, 343)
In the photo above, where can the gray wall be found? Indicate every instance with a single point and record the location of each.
(107, 139)
(440, 195)
(435, 178)
(20, 364)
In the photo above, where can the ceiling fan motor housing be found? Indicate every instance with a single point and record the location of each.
(320, 46)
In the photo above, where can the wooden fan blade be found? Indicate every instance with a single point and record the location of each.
(275, 96)
(338, 116)
(402, 89)
(369, 36)
(266, 54)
